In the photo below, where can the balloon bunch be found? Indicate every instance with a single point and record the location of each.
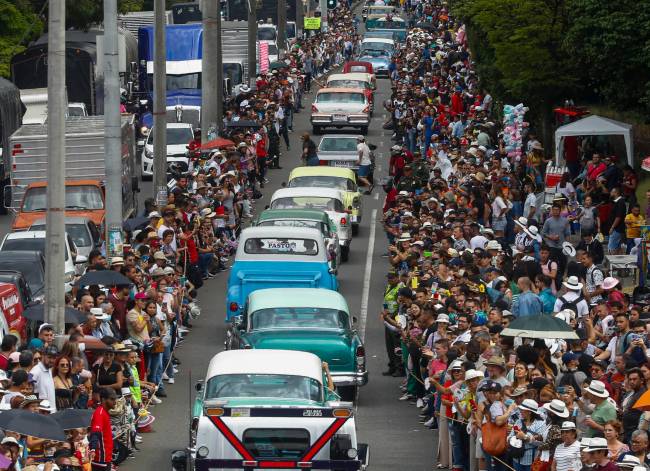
(513, 127)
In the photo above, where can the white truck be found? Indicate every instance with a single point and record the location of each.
(270, 409)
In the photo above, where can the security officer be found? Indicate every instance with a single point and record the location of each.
(408, 182)
(391, 331)
(420, 169)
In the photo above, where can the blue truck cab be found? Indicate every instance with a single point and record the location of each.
(277, 257)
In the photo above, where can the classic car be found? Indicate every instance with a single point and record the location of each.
(269, 409)
(329, 200)
(340, 150)
(378, 44)
(305, 319)
(314, 218)
(340, 108)
(343, 179)
(363, 81)
(358, 66)
(270, 257)
(380, 60)
(378, 11)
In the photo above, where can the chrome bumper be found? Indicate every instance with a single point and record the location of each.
(360, 378)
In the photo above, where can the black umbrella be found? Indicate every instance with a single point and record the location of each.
(132, 224)
(32, 424)
(37, 313)
(244, 124)
(103, 277)
(73, 418)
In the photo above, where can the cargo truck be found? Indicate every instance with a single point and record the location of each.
(85, 171)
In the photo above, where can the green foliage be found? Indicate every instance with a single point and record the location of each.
(82, 14)
(18, 25)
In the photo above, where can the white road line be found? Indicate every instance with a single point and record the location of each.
(367, 275)
(381, 143)
(376, 196)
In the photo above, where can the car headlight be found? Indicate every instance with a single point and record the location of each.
(352, 453)
(202, 451)
(39, 299)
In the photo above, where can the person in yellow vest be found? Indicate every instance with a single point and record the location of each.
(392, 328)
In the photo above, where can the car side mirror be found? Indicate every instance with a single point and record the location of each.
(199, 386)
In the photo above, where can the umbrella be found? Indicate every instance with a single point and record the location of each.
(73, 418)
(32, 424)
(277, 65)
(103, 277)
(218, 143)
(244, 124)
(540, 326)
(132, 224)
(643, 402)
(37, 313)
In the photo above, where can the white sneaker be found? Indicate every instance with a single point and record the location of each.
(171, 381)
(419, 404)
(165, 377)
(138, 439)
(155, 400)
(183, 330)
(406, 397)
(175, 370)
(429, 422)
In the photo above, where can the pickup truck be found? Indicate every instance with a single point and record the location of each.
(270, 409)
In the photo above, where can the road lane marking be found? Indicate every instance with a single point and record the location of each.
(376, 196)
(381, 143)
(368, 274)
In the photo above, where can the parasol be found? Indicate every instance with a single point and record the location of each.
(218, 143)
(540, 326)
(37, 313)
(34, 425)
(103, 277)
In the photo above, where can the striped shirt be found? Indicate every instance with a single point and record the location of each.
(567, 457)
(538, 427)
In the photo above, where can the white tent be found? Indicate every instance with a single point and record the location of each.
(595, 126)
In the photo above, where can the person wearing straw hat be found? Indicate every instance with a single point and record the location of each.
(526, 432)
(598, 452)
(604, 410)
(573, 298)
(567, 453)
(627, 462)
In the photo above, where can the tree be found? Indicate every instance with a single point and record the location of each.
(82, 14)
(18, 25)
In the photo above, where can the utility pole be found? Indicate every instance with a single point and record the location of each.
(323, 12)
(210, 72)
(55, 216)
(159, 106)
(220, 95)
(112, 132)
(282, 28)
(252, 41)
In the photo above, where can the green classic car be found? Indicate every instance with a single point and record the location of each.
(305, 319)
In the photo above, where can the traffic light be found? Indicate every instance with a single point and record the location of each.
(331, 4)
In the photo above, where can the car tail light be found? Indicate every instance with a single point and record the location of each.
(323, 162)
(360, 355)
(314, 109)
(234, 306)
(344, 221)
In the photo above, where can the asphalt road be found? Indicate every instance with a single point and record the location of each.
(390, 427)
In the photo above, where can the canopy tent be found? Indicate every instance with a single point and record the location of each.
(595, 126)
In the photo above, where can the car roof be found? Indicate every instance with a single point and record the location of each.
(68, 220)
(322, 170)
(340, 90)
(279, 231)
(296, 297)
(8, 255)
(307, 191)
(363, 76)
(251, 361)
(378, 40)
(340, 136)
(312, 214)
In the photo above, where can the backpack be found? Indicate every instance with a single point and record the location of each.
(572, 305)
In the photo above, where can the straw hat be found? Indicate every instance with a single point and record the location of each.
(558, 408)
(573, 283)
(597, 388)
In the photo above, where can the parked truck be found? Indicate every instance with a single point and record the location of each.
(83, 66)
(11, 116)
(85, 171)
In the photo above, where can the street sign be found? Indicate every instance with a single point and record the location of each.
(312, 23)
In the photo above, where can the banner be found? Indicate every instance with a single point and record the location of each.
(264, 57)
(312, 23)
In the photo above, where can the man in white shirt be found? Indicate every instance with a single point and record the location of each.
(42, 375)
(168, 224)
(363, 155)
(530, 204)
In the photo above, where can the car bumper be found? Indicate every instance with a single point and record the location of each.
(345, 242)
(351, 120)
(359, 378)
(381, 73)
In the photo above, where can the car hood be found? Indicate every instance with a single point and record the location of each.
(332, 346)
(177, 150)
(376, 61)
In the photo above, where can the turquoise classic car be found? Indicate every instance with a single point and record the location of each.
(306, 319)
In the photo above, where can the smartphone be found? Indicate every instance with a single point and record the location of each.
(170, 289)
(561, 390)
(414, 282)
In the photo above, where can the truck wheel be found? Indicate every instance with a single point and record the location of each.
(355, 229)
(345, 253)
(348, 393)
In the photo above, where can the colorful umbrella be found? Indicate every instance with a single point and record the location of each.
(218, 143)
(643, 402)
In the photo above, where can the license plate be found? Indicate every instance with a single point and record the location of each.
(339, 117)
(343, 163)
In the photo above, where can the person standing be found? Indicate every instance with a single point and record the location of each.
(616, 222)
(633, 223)
(42, 375)
(363, 155)
(555, 232)
(391, 329)
(101, 433)
(309, 156)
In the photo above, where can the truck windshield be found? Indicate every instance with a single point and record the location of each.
(175, 136)
(81, 197)
(263, 385)
(298, 317)
(179, 82)
(233, 71)
(266, 443)
(184, 115)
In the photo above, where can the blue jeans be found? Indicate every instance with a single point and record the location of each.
(205, 259)
(459, 446)
(165, 359)
(615, 240)
(155, 366)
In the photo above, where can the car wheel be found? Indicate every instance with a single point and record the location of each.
(355, 229)
(345, 253)
(348, 393)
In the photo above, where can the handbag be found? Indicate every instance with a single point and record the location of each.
(493, 437)
(158, 346)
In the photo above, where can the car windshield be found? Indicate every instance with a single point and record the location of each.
(75, 111)
(280, 246)
(32, 272)
(380, 10)
(322, 181)
(175, 136)
(28, 244)
(297, 223)
(82, 197)
(348, 84)
(263, 385)
(266, 34)
(379, 46)
(338, 145)
(308, 202)
(273, 49)
(358, 68)
(78, 232)
(389, 24)
(340, 97)
(374, 54)
(298, 317)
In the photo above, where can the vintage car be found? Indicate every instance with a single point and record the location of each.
(397, 26)
(363, 81)
(305, 319)
(271, 257)
(329, 200)
(340, 150)
(378, 44)
(270, 409)
(314, 218)
(378, 11)
(340, 108)
(343, 179)
(358, 66)
(379, 59)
